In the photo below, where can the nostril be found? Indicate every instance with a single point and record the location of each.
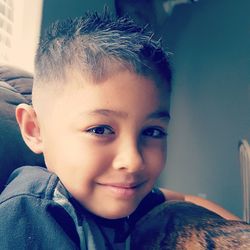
(130, 159)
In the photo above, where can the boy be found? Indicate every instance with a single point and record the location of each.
(100, 115)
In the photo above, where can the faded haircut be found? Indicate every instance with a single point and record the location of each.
(93, 44)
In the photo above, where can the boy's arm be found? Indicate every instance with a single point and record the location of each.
(171, 195)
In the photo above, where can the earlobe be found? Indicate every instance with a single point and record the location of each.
(27, 120)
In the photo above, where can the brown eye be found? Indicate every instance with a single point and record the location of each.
(153, 132)
(101, 130)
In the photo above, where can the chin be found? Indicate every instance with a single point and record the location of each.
(117, 213)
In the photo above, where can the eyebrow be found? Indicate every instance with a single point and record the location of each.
(164, 115)
(108, 112)
(160, 114)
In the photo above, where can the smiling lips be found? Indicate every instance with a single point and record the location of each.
(122, 190)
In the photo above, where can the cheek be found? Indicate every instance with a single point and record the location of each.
(80, 157)
(155, 158)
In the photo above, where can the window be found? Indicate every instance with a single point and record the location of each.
(19, 31)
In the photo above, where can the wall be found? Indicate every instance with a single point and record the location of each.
(60, 9)
(211, 98)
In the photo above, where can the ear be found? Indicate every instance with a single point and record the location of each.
(27, 120)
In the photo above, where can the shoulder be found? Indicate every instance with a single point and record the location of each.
(172, 195)
(29, 214)
(30, 181)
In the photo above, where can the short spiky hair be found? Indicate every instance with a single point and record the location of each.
(93, 43)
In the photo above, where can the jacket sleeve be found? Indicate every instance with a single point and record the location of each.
(29, 222)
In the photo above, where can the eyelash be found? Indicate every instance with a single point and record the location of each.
(150, 132)
(104, 130)
(101, 131)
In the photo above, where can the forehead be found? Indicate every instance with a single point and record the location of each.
(124, 82)
(124, 91)
(117, 72)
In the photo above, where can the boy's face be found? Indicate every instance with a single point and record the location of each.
(107, 141)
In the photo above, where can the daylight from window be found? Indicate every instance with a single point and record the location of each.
(20, 22)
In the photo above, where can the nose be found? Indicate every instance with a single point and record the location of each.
(128, 157)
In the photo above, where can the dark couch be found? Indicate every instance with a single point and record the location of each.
(15, 88)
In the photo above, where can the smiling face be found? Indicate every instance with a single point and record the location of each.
(107, 141)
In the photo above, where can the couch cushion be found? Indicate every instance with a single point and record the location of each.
(15, 88)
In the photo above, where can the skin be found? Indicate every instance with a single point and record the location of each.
(171, 195)
(106, 141)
